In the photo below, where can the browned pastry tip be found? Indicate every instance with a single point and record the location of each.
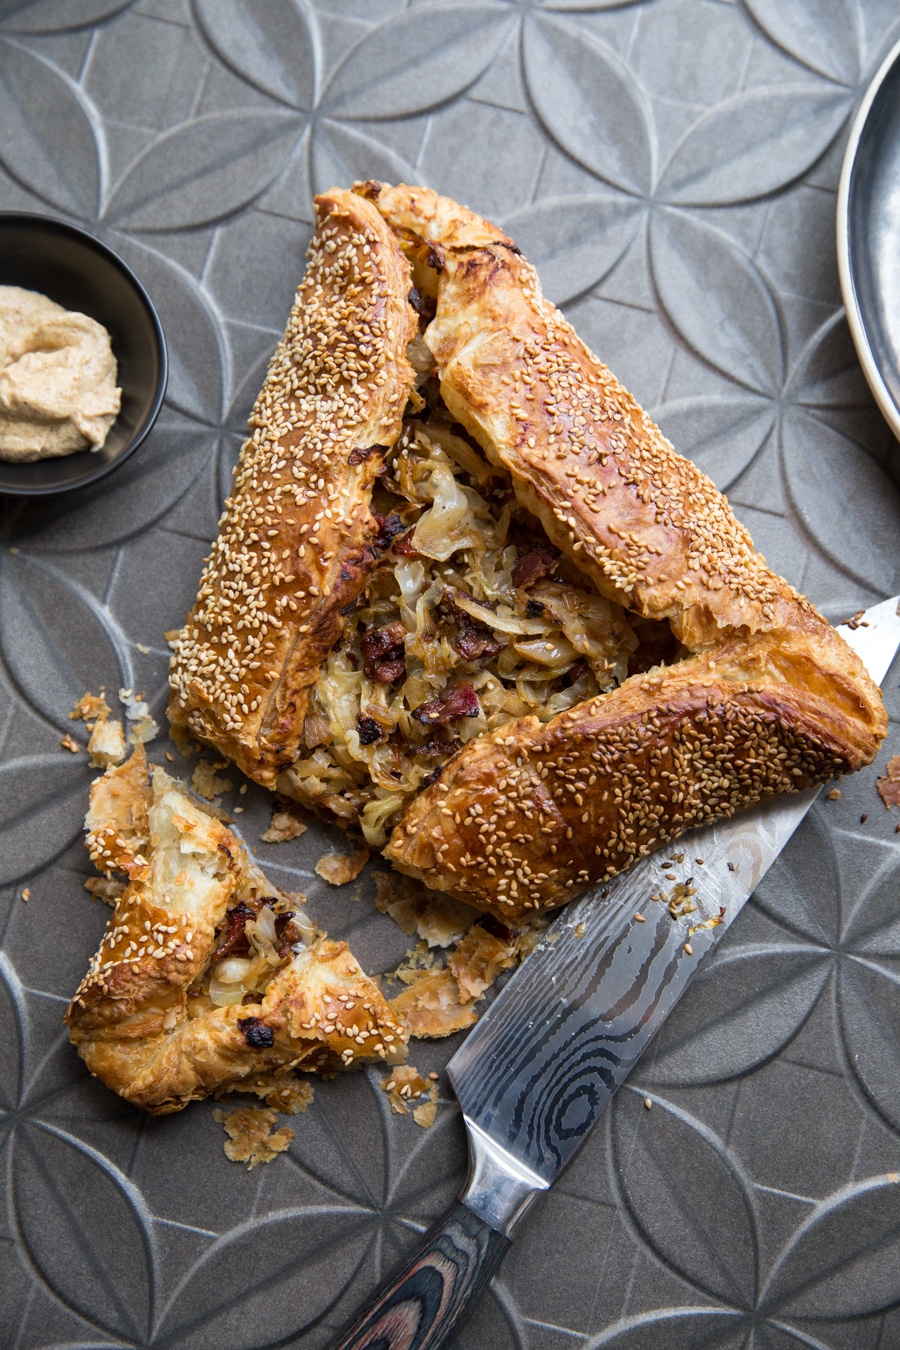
(144, 1018)
(297, 537)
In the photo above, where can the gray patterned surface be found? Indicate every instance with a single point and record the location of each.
(671, 166)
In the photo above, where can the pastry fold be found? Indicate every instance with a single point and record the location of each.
(144, 1018)
(766, 698)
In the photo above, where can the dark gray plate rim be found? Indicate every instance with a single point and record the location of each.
(867, 242)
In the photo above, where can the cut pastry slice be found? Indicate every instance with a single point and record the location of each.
(208, 978)
(467, 601)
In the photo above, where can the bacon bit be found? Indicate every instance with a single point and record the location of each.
(439, 745)
(889, 786)
(234, 941)
(287, 932)
(388, 529)
(435, 258)
(405, 547)
(257, 1035)
(537, 563)
(474, 639)
(384, 654)
(359, 454)
(424, 305)
(460, 701)
(368, 729)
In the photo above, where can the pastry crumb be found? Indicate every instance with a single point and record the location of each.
(478, 960)
(107, 743)
(141, 726)
(287, 1096)
(436, 918)
(207, 783)
(90, 708)
(426, 1113)
(404, 1084)
(834, 795)
(431, 1006)
(283, 826)
(26, 894)
(340, 868)
(69, 743)
(251, 1136)
(106, 889)
(107, 740)
(889, 785)
(141, 648)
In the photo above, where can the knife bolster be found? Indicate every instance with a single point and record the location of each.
(499, 1188)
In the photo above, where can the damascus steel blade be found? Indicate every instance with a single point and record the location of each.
(545, 1059)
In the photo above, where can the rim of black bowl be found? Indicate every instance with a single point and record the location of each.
(875, 355)
(63, 227)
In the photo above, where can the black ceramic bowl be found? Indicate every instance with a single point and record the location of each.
(77, 271)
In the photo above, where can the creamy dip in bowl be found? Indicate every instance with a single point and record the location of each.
(58, 391)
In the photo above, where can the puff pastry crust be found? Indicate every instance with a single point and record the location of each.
(295, 543)
(143, 1019)
(767, 698)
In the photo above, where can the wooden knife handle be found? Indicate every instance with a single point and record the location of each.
(424, 1303)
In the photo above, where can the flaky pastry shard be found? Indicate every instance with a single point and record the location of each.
(760, 698)
(197, 913)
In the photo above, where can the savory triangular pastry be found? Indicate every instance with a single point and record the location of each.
(467, 601)
(209, 979)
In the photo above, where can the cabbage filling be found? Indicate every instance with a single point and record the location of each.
(470, 619)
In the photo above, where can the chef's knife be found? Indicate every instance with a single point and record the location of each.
(542, 1063)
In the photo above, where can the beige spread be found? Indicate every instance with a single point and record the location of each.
(58, 389)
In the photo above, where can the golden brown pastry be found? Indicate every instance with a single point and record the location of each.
(564, 650)
(208, 979)
(296, 542)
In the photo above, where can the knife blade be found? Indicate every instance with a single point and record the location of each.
(538, 1069)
